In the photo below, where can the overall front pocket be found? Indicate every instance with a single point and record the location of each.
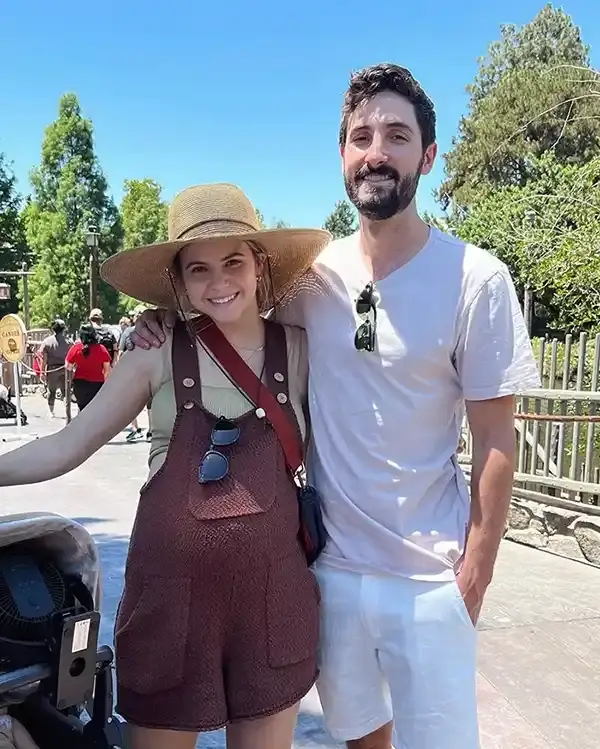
(250, 486)
(151, 634)
(292, 612)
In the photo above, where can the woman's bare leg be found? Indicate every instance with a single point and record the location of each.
(153, 738)
(274, 732)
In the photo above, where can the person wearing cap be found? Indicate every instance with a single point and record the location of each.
(53, 351)
(96, 317)
(108, 335)
(218, 623)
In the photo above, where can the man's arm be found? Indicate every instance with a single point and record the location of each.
(494, 361)
(153, 325)
(492, 469)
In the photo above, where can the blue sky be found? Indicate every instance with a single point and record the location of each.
(238, 92)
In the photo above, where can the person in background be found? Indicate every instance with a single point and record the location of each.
(134, 430)
(52, 352)
(125, 323)
(90, 362)
(96, 318)
(106, 334)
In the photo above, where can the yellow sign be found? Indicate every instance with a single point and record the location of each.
(13, 338)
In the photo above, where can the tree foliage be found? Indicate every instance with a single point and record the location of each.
(13, 250)
(144, 218)
(548, 233)
(275, 224)
(342, 221)
(534, 93)
(143, 213)
(70, 193)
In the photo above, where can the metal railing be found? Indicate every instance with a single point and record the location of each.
(558, 437)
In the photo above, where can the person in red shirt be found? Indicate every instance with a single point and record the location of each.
(90, 362)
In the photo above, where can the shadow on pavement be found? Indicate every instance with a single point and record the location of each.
(113, 554)
(90, 521)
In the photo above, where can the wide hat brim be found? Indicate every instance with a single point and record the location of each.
(144, 272)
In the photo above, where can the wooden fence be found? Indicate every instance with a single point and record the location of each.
(558, 428)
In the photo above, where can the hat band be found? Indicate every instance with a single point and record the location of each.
(215, 227)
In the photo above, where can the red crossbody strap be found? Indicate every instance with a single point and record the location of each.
(244, 378)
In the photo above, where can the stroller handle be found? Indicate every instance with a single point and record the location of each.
(23, 677)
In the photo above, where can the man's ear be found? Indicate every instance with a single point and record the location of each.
(429, 158)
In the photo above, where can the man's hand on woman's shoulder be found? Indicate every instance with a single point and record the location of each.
(149, 330)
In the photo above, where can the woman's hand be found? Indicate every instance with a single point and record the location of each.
(150, 329)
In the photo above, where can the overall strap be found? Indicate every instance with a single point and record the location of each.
(186, 370)
(276, 369)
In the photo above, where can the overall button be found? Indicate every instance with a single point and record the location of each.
(278, 376)
(188, 404)
(188, 382)
(282, 397)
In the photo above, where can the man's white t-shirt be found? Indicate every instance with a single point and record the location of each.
(386, 425)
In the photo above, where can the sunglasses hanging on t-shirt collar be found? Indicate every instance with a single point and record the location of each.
(366, 335)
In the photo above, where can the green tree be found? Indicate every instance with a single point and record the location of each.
(550, 38)
(275, 224)
(13, 250)
(442, 223)
(70, 193)
(342, 221)
(534, 93)
(143, 213)
(548, 233)
(144, 217)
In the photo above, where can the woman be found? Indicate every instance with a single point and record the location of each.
(218, 623)
(90, 362)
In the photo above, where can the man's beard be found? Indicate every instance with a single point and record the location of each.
(382, 201)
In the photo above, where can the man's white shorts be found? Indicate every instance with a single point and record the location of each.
(397, 649)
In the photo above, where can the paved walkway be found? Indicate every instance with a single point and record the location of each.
(539, 681)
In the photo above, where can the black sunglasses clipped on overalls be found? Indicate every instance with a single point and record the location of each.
(365, 337)
(214, 466)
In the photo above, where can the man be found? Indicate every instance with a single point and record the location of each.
(406, 326)
(106, 334)
(53, 351)
(97, 318)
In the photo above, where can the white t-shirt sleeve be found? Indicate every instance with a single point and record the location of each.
(493, 356)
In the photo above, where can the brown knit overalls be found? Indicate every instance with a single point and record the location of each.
(219, 617)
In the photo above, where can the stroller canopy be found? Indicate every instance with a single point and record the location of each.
(69, 544)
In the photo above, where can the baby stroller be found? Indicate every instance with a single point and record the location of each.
(8, 410)
(56, 689)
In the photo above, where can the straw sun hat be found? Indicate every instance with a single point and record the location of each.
(211, 212)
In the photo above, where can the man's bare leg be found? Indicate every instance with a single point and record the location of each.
(379, 739)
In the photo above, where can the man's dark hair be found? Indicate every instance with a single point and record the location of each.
(377, 79)
(58, 326)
